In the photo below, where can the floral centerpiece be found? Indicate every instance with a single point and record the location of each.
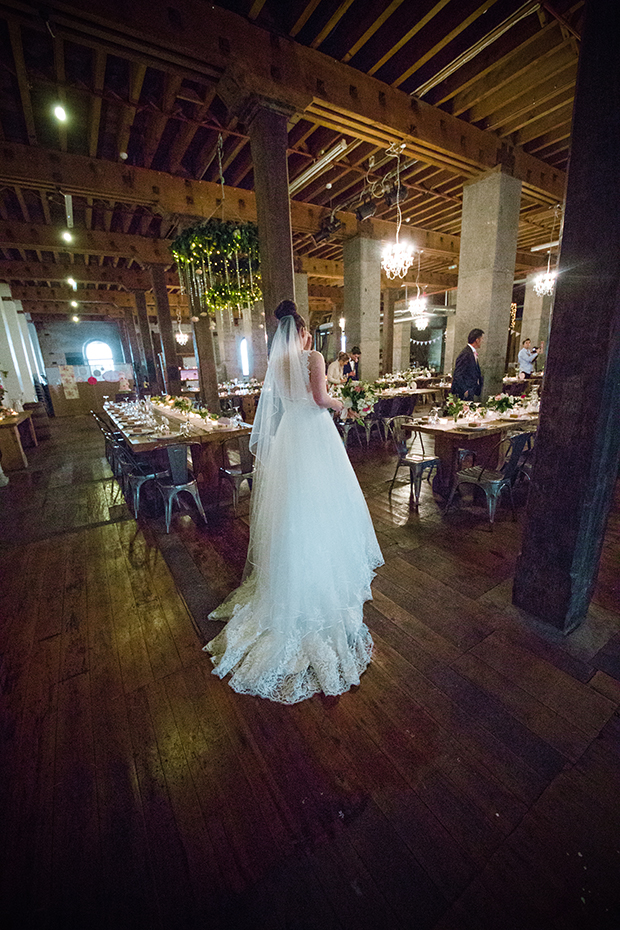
(358, 398)
(501, 402)
(455, 407)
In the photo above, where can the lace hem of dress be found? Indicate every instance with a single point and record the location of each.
(292, 671)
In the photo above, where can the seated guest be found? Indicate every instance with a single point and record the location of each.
(335, 372)
(527, 356)
(351, 372)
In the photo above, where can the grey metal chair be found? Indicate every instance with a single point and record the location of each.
(180, 479)
(493, 481)
(236, 474)
(418, 463)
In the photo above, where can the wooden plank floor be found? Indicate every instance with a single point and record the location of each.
(471, 781)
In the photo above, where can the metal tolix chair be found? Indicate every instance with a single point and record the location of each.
(493, 481)
(418, 463)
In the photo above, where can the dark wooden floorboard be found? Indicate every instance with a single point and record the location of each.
(469, 783)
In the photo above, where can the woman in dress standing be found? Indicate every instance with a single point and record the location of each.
(295, 625)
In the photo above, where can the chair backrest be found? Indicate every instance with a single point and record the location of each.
(246, 458)
(401, 436)
(511, 462)
(177, 458)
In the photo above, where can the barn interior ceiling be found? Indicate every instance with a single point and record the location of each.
(153, 135)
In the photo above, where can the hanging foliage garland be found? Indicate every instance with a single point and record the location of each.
(219, 264)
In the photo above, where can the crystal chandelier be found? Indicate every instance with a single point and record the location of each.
(398, 258)
(181, 337)
(544, 283)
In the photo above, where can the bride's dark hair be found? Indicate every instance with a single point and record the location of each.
(289, 308)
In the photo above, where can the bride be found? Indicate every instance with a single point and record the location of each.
(295, 625)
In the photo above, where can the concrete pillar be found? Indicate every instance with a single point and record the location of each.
(362, 301)
(166, 334)
(301, 296)
(402, 346)
(486, 269)
(450, 345)
(390, 296)
(536, 318)
(578, 442)
(269, 145)
(152, 375)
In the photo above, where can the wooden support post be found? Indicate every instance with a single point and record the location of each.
(269, 141)
(152, 378)
(578, 444)
(207, 372)
(168, 342)
(137, 356)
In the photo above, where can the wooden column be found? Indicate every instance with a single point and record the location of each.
(166, 334)
(578, 444)
(269, 143)
(207, 372)
(154, 385)
(137, 358)
(389, 298)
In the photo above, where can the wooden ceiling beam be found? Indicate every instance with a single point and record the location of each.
(87, 297)
(444, 41)
(523, 104)
(85, 242)
(420, 24)
(528, 81)
(255, 62)
(369, 33)
(81, 274)
(545, 45)
(558, 118)
(158, 121)
(43, 308)
(59, 67)
(99, 65)
(15, 34)
(128, 111)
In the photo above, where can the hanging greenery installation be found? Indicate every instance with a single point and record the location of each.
(219, 265)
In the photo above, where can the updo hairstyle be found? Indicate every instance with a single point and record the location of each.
(288, 308)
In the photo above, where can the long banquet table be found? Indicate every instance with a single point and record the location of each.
(204, 441)
(449, 438)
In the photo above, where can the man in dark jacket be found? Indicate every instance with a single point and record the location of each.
(467, 379)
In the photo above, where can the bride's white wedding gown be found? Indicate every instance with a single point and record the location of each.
(295, 624)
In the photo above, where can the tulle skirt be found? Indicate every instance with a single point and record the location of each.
(295, 626)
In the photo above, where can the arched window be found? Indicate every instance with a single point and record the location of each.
(245, 362)
(100, 357)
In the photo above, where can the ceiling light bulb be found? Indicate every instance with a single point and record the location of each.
(60, 113)
(75, 319)
(73, 283)
(74, 303)
(67, 236)
(123, 155)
